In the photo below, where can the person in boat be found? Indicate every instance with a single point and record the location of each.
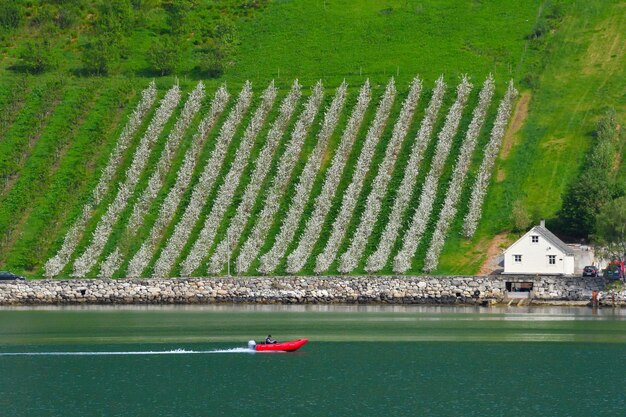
(269, 340)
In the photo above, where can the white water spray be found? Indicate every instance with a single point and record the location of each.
(147, 352)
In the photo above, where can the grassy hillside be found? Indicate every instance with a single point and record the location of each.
(582, 73)
(57, 127)
(354, 40)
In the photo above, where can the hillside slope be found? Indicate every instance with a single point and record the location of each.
(57, 130)
(582, 76)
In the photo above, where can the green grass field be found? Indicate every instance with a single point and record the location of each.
(583, 75)
(336, 40)
(57, 128)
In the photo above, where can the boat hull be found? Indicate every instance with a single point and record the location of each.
(291, 346)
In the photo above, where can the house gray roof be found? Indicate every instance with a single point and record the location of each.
(551, 237)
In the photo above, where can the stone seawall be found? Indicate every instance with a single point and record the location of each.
(306, 290)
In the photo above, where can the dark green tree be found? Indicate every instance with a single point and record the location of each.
(37, 57)
(10, 14)
(177, 14)
(226, 36)
(610, 228)
(144, 5)
(42, 15)
(114, 21)
(596, 183)
(164, 55)
(220, 48)
(114, 18)
(213, 61)
(66, 17)
(99, 55)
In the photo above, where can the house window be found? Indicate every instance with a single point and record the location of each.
(551, 259)
(534, 239)
(517, 258)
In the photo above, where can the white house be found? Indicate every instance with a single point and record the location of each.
(539, 251)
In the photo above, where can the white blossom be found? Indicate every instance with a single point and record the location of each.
(323, 202)
(379, 258)
(192, 106)
(286, 164)
(340, 225)
(141, 206)
(491, 152)
(55, 265)
(290, 222)
(349, 260)
(227, 190)
(413, 235)
(261, 169)
(111, 264)
(140, 260)
(463, 162)
(100, 236)
(183, 229)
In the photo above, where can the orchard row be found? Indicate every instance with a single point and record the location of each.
(261, 188)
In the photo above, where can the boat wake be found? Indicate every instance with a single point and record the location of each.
(147, 352)
(233, 350)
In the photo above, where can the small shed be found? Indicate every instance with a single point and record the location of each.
(539, 251)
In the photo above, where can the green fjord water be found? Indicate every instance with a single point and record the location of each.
(365, 361)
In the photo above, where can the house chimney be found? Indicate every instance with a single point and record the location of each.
(542, 223)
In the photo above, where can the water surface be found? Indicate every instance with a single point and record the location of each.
(366, 361)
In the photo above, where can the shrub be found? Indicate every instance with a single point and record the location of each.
(37, 57)
(219, 47)
(213, 61)
(164, 55)
(99, 55)
(541, 28)
(10, 14)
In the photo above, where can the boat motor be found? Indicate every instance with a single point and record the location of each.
(251, 345)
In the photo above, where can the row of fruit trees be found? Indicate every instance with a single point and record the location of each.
(282, 218)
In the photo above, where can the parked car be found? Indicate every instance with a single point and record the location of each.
(613, 272)
(591, 271)
(8, 276)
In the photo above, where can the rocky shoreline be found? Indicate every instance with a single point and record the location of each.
(437, 290)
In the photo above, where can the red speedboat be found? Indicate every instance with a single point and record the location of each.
(291, 346)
